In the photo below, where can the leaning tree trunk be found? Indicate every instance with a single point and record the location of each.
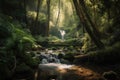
(84, 21)
(84, 8)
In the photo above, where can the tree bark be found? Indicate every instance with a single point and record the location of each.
(58, 14)
(84, 8)
(48, 17)
(37, 15)
(84, 21)
(25, 13)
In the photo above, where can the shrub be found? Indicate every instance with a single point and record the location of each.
(109, 55)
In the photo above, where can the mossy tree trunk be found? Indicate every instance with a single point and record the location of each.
(84, 20)
(84, 8)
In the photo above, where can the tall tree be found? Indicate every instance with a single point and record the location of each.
(48, 17)
(37, 15)
(58, 14)
(84, 8)
(84, 21)
(25, 12)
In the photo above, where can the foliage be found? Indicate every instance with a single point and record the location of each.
(53, 39)
(86, 43)
(32, 14)
(31, 62)
(40, 38)
(69, 56)
(74, 41)
(15, 45)
(55, 32)
(5, 29)
(19, 39)
(110, 55)
(16, 38)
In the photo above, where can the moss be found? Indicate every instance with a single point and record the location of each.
(69, 57)
(109, 55)
(110, 75)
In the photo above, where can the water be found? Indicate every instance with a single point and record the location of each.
(51, 60)
(62, 32)
(51, 66)
(54, 66)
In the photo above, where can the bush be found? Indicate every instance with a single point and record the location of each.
(69, 57)
(74, 41)
(109, 55)
(16, 42)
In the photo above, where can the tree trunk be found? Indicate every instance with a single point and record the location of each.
(58, 14)
(84, 8)
(36, 19)
(84, 21)
(48, 17)
(25, 12)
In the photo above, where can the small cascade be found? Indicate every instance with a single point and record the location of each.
(51, 66)
(49, 57)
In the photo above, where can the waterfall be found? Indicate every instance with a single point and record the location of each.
(62, 32)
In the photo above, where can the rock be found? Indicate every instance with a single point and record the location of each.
(80, 70)
(110, 75)
(89, 74)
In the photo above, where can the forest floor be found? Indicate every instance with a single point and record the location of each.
(80, 73)
(86, 72)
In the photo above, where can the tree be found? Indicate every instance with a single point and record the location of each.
(58, 14)
(84, 21)
(37, 15)
(84, 8)
(25, 12)
(48, 17)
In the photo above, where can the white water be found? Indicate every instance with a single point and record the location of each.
(62, 32)
(46, 62)
(53, 66)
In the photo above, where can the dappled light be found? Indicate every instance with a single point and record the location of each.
(60, 40)
(63, 71)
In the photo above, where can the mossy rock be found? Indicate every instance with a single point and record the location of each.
(69, 57)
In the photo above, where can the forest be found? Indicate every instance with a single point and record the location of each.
(59, 40)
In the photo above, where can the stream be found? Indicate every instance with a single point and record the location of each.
(51, 65)
(54, 67)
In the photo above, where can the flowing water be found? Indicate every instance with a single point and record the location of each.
(51, 66)
(62, 32)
